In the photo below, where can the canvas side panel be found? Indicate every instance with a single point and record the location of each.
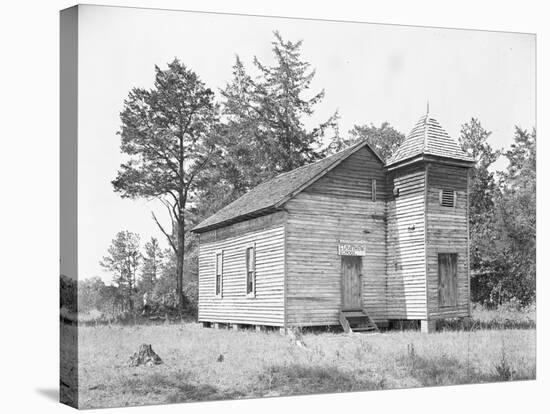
(406, 264)
(447, 233)
(337, 207)
(68, 357)
(267, 307)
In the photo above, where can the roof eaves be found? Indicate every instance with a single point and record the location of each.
(233, 220)
(429, 157)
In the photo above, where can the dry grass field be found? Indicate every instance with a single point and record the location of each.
(207, 364)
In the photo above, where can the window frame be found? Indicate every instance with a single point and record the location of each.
(248, 270)
(219, 272)
(373, 189)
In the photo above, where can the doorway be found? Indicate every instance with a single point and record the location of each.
(447, 272)
(352, 287)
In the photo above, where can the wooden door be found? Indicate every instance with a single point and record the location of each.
(447, 269)
(352, 282)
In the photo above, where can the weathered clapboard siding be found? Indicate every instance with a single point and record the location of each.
(337, 207)
(252, 224)
(353, 178)
(447, 232)
(267, 307)
(405, 260)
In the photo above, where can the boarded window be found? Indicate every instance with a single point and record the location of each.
(447, 198)
(251, 271)
(447, 270)
(373, 189)
(219, 274)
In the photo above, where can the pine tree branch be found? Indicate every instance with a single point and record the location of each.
(170, 241)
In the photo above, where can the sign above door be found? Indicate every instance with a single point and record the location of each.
(352, 248)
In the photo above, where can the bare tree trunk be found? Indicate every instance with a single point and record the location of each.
(178, 246)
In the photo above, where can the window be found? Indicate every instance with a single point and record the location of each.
(251, 271)
(447, 198)
(447, 274)
(219, 274)
(373, 191)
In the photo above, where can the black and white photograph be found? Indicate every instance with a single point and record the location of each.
(309, 207)
(256, 207)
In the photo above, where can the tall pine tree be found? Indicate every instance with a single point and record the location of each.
(152, 263)
(169, 134)
(265, 132)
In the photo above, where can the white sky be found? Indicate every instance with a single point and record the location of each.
(370, 73)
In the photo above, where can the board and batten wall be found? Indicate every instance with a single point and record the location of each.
(267, 307)
(337, 207)
(405, 260)
(447, 232)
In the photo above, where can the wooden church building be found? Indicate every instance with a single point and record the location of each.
(350, 240)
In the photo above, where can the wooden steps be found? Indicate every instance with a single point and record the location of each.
(357, 321)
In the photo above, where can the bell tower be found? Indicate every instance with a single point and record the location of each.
(427, 228)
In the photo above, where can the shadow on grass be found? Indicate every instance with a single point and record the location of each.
(186, 392)
(301, 379)
(177, 388)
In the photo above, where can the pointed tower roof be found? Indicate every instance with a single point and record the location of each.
(428, 138)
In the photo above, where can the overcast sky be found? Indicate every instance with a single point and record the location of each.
(370, 73)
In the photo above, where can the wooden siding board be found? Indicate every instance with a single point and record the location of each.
(267, 307)
(337, 207)
(406, 264)
(468, 242)
(447, 231)
(236, 229)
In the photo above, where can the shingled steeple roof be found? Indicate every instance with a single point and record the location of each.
(428, 138)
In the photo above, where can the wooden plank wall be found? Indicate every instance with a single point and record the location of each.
(253, 224)
(405, 260)
(338, 206)
(447, 231)
(267, 307)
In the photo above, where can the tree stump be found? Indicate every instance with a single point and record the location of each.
(144, 356)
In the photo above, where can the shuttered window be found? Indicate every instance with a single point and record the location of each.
(373, 189)
(447, 198)
(251, 271)
(219, 274)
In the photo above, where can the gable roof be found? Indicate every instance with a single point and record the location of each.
(272, 194)
(428, 138)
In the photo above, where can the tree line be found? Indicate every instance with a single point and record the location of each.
(196, 151)
(143, 282)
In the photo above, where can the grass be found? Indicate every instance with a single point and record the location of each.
(268, 364)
